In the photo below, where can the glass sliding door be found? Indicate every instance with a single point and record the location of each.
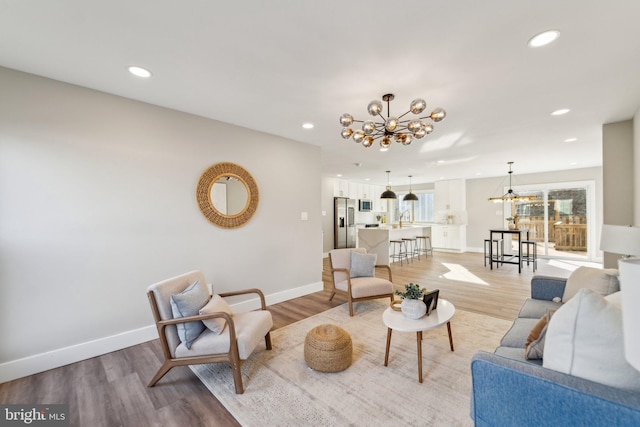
(559, 219)
(568, 213)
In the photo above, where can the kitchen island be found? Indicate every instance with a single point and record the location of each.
(376, 239)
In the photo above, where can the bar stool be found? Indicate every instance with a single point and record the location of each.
(399, 250)
(411, 247)
(532, 252)
(424, 245)
(498, 253)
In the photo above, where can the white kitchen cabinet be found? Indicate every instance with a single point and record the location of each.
(379, 205)
(450, 195)
(449, 237)
(340, 187)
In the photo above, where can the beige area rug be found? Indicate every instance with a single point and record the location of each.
(280, 390)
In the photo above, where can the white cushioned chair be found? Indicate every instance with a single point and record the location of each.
(357, 288)
(240, 336)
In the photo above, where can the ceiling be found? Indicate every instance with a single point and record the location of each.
(272, 66)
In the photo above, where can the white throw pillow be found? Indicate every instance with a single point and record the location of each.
(215, 305)
(603, 281)
(584, 339)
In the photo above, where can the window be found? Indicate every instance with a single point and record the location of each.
(418, 211)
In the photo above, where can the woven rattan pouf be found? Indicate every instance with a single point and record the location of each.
(327, 348)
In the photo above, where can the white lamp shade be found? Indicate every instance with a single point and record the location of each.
(630, 288)
(620, 239)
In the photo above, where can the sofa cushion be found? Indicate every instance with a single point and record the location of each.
(517, 335)
(536, 308)
(251, 328)
(363, 265)
(215, 305)
(603, 281)
(188, 303)
(584, 339)
(366, 286)
(516, 354)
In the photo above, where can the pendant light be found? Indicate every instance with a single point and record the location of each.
(410, 197)
(510, 195)
(388, 194)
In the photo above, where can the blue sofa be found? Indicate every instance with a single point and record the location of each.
(509, 390)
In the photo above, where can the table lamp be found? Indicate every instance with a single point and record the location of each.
(624, 240)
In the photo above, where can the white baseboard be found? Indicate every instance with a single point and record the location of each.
(37, 363)
(75, 353)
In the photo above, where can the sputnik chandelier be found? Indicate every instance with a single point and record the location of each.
(392, 127)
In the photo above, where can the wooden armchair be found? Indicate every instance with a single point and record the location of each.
(357, 288)
(236, 342)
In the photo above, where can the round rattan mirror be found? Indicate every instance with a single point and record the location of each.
(227, 195)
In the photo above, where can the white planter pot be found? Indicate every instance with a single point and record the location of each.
(413, 308)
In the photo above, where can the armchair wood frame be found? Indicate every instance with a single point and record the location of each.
(232, 356)
(350, 297)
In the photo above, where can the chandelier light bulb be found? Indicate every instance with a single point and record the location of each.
(420, 133)
(438, 115)
(374, 107)
(346, 133)
(385, 142)
(346, 120)
(406, 140)
(391, 124)
(414, 125)
(358, 135)
(418, 105)
(368, 127)
(368, 141)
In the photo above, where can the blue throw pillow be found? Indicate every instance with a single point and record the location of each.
(363, 265)
(188, 303)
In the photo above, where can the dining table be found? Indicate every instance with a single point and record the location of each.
(514, 258)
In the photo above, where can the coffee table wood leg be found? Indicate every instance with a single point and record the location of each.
(386, 353)
(450, 336)
(419, 339)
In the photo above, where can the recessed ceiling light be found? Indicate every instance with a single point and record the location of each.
(560, 112)
(308, 125)
(544, 38)
(478, 173)
(383, 149)
(440, 162)
(339, 175)
(573, 163)
(570, 139)
(139, 71)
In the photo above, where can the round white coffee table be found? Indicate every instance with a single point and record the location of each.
(395, 320)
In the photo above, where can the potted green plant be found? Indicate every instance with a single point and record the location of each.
(412, 306)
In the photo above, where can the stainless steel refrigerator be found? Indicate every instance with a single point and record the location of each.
(344, 227)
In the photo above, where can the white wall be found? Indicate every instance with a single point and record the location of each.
(97, 201)
(636, 172)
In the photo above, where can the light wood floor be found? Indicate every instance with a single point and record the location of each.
(111, 390)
